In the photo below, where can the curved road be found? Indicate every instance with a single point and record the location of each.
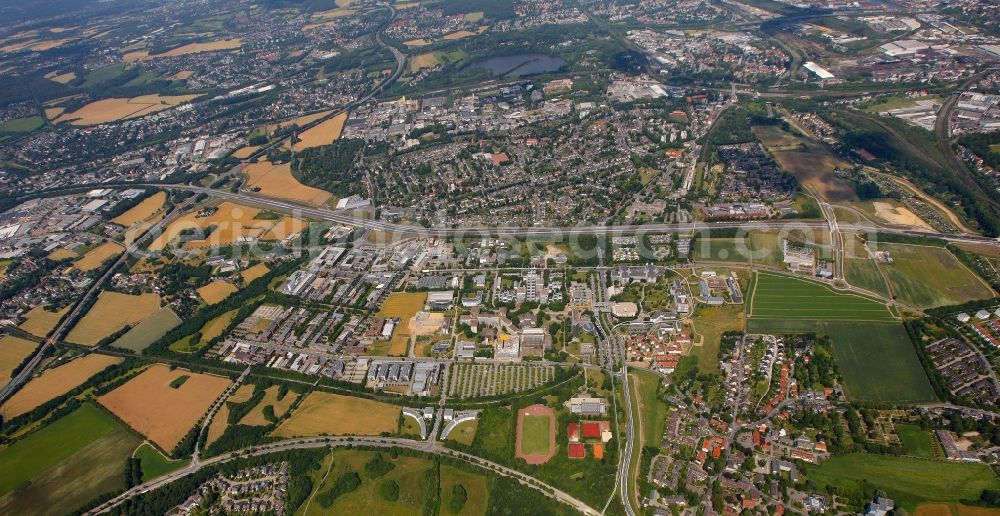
(322, 442)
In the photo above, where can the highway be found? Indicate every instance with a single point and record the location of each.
(345, 218)
(323, 442)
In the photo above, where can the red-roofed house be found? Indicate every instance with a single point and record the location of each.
(577, 450)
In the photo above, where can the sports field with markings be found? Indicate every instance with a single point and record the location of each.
(783, 297)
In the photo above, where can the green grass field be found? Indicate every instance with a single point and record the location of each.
(709, 325)
(495, 435)
(22, 125)
(150, 330)
(926, 277)
(654, 409)
(154, 464)
(102, 75)
(783, 297)
(42, 474)
(919, 442)
(535, 434)
(464, 433)
(409, 473)
(721, 250)
(476, 491)
(863, 273)
(859, 349)
(907, 480)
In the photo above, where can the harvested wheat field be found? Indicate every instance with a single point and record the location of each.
(136, 231)
(114, 109)
(245, 152)
(55, 382)
(277, 181)
(142, 211)
(164, 414)
(286, 227)
(234, 223)
(418, 62)
(52, 113)
(41, 321)
(299, 121)
(242, 394)
(334, 13)
(112, 312)
(183, 50)
(417, 42)
(254, 272)
(216, 326)
(465, 33)
(62, 254)
(216, 291)
(13, 351)
(403, 305)
(323, 134)
(218, 426)
(323, 413)
(256, 415)
(900, 214)
(96, 256)
(181, 75)
(61, 78)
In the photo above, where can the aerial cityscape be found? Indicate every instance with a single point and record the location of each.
(500, 257)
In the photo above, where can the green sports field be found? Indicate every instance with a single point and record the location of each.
(535, 435)
(784, 297)
(154, 464)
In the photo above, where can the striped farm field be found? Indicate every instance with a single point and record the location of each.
(783, 297)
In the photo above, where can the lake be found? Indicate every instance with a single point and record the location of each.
(520, 65)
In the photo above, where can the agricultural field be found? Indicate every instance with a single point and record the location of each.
(403, 305)
(953, 509)
(479, 380)
(863, 273)
(216, 291)
(285, 227)
(279, 406)
(142, 211)
(112, 312)
(98, 255)
(163, 413)
(55, 382)
(233, 223)
(322, 413)
(190, 48)
(277, 181)
(783, 298)
(41, 473)
(720, 250)
(925, 276)
(856, 345)
(906, 480)
(150, 330)
(22, 125)
(421, 61)
(220, 421)
(298, 121)
(13, 351)
(325, 133)
(39, 321)
(209, 331)
(254, 272)
(809, 161)
(114, 109)
(245, 152)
